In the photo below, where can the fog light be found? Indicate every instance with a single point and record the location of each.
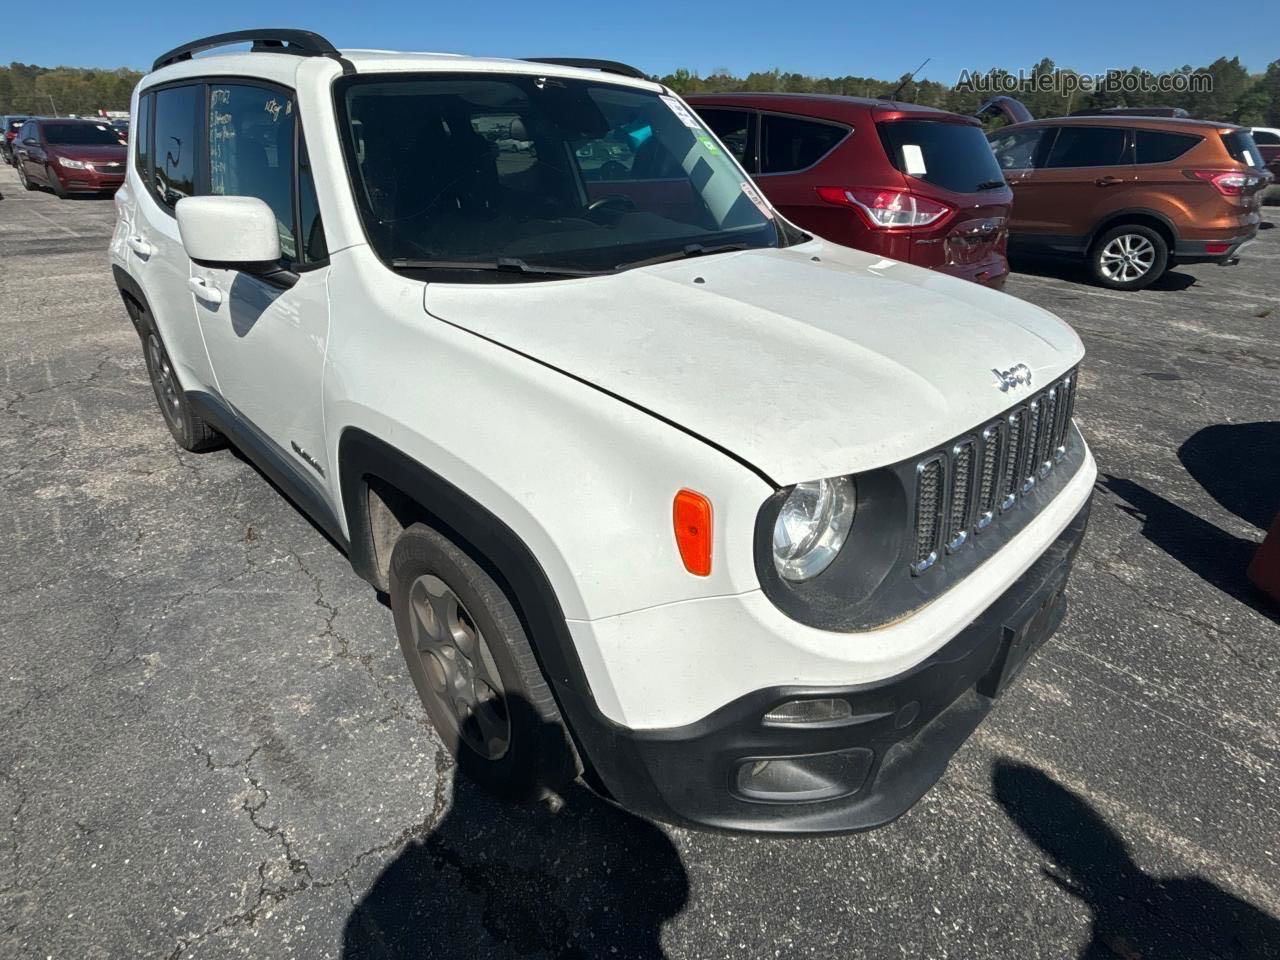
(810, 711)
(822, 776)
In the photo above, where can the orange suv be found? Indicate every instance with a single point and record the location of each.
(1131, 195)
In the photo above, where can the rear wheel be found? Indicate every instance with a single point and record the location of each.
(474, 669)
(1129, 257)
(188, 429)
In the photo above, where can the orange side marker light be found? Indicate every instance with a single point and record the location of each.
(691, 516)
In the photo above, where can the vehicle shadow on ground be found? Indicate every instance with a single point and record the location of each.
(496, 879)
(1238, 464)
(1208, 551)
(1136, 916)
(1072, 272)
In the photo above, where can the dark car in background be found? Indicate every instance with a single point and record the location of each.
(1131, 195)
(10, 124)
(895, 179)
(70, 156)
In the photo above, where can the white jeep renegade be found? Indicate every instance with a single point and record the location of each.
(739, 525)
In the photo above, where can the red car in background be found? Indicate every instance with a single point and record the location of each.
(70, 156)
(895, 179)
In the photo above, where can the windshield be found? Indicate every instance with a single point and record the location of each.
(547, 171)
(81, 134)
(954, 156)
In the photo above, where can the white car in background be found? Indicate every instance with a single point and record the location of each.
(746, 528)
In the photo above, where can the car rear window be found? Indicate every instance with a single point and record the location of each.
(790, 143)
(1156, 146)
(954, 156)
(1240, 145)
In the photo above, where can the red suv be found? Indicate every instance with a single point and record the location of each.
(69, 156)
(895, 179)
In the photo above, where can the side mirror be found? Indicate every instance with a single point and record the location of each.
(233, 233)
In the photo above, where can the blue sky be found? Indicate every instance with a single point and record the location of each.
(816, 37)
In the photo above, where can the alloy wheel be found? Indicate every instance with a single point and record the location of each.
(1127, 257)
(461, 672)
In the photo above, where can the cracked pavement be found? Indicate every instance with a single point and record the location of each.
(210, 746)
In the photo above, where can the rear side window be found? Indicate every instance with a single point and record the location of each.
(736, 129)
(1156, 146)
(1089, 147)
(1265, 138)
(142, 138)
(179, 113)
(251, 151)
(790, 143)
(954, 156)
(1241, 146)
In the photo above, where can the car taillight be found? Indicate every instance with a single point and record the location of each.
(1230, 183)
(887, 209)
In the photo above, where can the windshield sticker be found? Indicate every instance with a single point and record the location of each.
(754, 196)
(913, 160)
(681, 113)
(708, 144)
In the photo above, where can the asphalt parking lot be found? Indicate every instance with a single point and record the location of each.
(209, 745)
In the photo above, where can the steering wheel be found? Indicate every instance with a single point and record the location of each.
(615, 200)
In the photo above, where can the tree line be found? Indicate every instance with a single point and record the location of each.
(28, 89)
(1235, 95)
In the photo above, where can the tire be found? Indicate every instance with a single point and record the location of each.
(478, 679)
(23, 179)
(189, 431)
(1128, 257)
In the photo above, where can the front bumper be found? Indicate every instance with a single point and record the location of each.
(864, 771)
(89, 180)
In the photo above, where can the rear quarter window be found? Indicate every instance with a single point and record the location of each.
(790, 143)
(1156, 146)
(1241, 146)
(954, 156)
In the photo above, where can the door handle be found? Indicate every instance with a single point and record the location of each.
(1108, 181)
(202, 290)
(140, 246)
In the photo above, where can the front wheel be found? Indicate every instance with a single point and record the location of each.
(474, 669)
(1129, 257)
(23, 178)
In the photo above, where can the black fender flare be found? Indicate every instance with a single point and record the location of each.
(1128, 213)
(604, 755)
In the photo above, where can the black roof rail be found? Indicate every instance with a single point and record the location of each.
(302, 43)
(605, 66)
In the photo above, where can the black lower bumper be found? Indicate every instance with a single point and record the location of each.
(733, 771)
(1211, 251)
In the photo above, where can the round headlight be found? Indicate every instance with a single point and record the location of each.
(812, 526)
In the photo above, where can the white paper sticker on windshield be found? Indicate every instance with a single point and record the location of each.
(754, 196)
(913, 159)
(679, 110)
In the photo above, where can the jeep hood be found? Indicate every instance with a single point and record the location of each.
(807, 362)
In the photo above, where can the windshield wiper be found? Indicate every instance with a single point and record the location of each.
(512, 264)
(688, 250)
(990, 185)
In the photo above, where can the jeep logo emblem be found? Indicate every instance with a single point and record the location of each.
(1018, 374)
